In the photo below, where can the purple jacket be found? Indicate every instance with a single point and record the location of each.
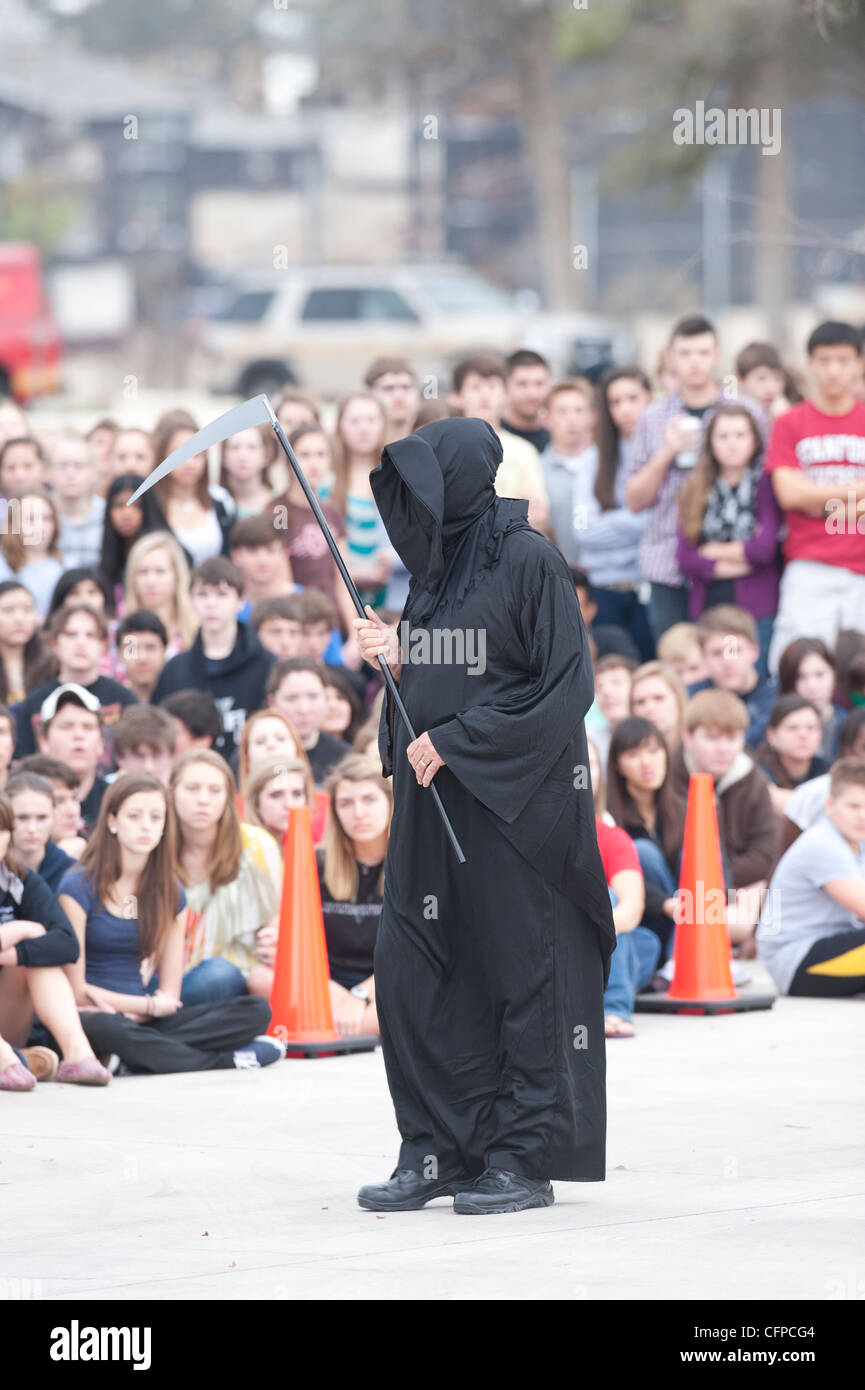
(757, 592)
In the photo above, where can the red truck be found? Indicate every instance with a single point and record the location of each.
(29, 339)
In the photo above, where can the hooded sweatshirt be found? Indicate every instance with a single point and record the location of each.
(747, 822)
(236, 682)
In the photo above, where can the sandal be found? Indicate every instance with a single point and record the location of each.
(42, 1061)
(615, 1027)
(17, 1078)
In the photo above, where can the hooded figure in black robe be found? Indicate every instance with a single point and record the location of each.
(489, 975)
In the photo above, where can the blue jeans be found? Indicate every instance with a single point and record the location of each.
(657, 873)
(668, 604)
(764, 637)
(632, 966)
(212, 981)
(622, 608)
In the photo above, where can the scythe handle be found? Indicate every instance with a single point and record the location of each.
(358, 603)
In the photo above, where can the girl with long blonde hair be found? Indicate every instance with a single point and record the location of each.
(157, 578)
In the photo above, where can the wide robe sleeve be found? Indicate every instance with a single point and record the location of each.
(503, 752)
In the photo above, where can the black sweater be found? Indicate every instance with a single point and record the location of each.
(237, 683)
(59, 945)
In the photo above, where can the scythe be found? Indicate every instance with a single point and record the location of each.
(259, 411)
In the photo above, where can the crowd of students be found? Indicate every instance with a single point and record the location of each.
(177, 675)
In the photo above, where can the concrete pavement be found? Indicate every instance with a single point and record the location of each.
(734, 1170)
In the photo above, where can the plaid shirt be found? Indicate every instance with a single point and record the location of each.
(657, 552)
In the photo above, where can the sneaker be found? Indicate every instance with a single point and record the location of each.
(259, 1053)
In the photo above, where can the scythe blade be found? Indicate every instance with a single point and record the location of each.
(256, 411)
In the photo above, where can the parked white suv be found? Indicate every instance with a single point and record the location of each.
(321, 327)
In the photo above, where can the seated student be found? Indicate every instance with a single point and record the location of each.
(22, 464)
(612, 698)
(680, 648)
(141, 646)
(7, 742)
(273, 787)
(638, 949)
(32, 799)
(343, 709)
(232, 873)
(811, 935)
(366, 739)
(196, 714)
(351, 878)
(226, 657)
(64, 781)
(145, 740)
(788, 754)
(29, 544)
(731, 651)
(74, 485)
(36, 941)
(714, 742)
(78, 637)
(277, 622)
(806, 667)
(157, 578)
(269, 734)
(259, 554)
(643, 801)
(71, 729)
(130, 861)
(658, 695)
(124, 525)
(729, 524)
(295, 687)
(608, 638)
(808, 801)
(87, 585)
(321, 638)
(25, 662)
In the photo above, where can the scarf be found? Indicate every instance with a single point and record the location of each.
(731, 511)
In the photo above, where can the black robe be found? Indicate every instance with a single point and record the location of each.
(490, 975)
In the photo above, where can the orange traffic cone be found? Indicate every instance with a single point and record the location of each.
(702, 981)
(300, 998)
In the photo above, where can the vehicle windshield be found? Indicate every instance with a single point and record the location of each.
(463, 294)
(248, 306)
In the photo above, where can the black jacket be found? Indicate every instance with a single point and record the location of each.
(59, 945)
(237, 683)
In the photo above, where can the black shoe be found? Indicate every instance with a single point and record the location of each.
(406, 1190)
(497, 1190)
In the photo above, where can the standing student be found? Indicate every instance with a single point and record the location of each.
(665, 449)
(729, 524)
(359, 439)
(816, 461)
(36, 941)
(763, 377)
(30, 552)
(22, 465)
(479, 393)
(25, 663)
(157, 578)
(125, 525)
(132, 451)
(293, 409)
(80, 508)
(78, 637)
(127, 909)
(527, 383)
(351, 879)
(32, 799)
(312, 564)
(295, 688)
(199, 514)
(233, 878)
(245, 460)
(393, 382)
(100, 441)
(226, 659)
